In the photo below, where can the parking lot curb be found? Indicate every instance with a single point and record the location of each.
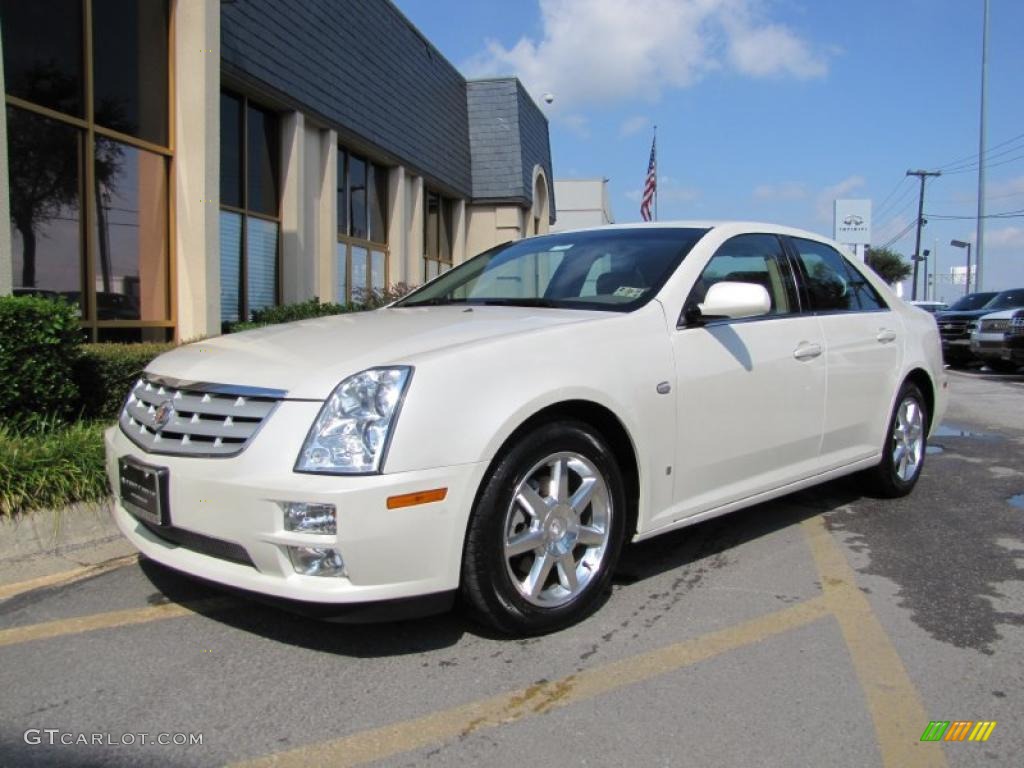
(47, 542)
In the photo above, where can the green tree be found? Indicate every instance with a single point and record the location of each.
(889, 265)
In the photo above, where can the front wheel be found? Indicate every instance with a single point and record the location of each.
(546, 531)
(905, 445)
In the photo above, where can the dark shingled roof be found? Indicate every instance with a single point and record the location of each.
(508, 137)
(362, 67)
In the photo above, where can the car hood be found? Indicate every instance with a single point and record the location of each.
(1006, 314)
(308, 358)
(971, 314)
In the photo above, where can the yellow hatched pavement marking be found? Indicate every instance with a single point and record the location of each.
(439, 727)
(66, 577)
(895, 706)
(79, 624)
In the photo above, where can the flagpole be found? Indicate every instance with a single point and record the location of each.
(655, 172)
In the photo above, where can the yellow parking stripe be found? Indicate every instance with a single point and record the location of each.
(66, 577)
(895, 706)
(439, 727)
(79, 624)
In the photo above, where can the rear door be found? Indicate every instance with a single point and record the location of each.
(864, 349)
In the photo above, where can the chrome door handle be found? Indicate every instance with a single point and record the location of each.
(807, 351)
(885, 336)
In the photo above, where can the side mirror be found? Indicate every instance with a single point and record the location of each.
(731, 300)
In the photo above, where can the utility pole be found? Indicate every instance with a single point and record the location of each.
(922, 175)
(979, 235)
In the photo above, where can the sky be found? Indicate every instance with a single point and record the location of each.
(770, 109)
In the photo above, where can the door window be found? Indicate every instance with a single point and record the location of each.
(756, 259)
(833, 284)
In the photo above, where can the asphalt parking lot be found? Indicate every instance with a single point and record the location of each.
(825, 628)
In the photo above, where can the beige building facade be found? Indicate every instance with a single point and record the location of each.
(210, 170)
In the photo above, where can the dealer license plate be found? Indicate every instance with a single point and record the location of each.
(144, 490)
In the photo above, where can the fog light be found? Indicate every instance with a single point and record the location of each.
(316, 561)
(309, 518)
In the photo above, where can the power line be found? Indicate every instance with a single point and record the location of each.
(973, 158)
(991, 165)
(1015, 214)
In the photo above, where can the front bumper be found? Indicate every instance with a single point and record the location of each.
(998, 346)
(389, 554)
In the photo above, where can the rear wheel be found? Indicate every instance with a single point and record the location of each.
(546, 532)
(905, 445)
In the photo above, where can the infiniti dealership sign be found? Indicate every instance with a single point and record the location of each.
(852, 222)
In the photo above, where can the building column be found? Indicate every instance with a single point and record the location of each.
(327, 224)
(6, 258)
(293, 171)
(398, 225)
(459, 224)
(195, 204)
(414, 228)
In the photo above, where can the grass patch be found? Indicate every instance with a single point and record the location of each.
(50, 465)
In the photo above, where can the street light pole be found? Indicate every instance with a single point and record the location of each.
(967, 245)
(979, 235)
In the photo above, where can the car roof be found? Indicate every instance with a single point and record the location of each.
(737, 225)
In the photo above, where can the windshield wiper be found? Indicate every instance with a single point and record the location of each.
(439, 301)
(518, 303)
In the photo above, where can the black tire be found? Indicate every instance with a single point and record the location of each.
(959, 361)
(885, 479)
(1002, 366)
(488, 587)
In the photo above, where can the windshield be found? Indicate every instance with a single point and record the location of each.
(609, 269)
(1007, 300)
(971, 301)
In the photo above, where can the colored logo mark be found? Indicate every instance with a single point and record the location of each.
(958, 730)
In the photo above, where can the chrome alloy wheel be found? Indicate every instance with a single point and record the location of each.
(908, 439)
(557, 529)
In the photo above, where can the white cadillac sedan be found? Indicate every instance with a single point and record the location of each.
(500, 433)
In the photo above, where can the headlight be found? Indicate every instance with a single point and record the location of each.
(1017, 326)
(351, 433)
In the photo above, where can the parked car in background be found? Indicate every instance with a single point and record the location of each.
(501, 432)
(930, 306)
(955, 323)
(998, 340)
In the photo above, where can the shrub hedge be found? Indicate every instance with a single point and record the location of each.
(104, 373)
(305, 310)
(39, 346)
(52, 466)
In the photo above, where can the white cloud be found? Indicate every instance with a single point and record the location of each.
(786, 190)
(1004, 237)
(829, 195)
(1008, 188)
(607, 51)
(633, 125)
(773, 50)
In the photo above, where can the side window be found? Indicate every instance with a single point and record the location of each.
(833, 284)
(750, 259)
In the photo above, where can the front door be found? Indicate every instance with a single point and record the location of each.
(751, 392)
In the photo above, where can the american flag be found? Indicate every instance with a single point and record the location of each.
(650, 185)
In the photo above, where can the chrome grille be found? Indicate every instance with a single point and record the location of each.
(195, 419)
(1002, 324)
(953, 328)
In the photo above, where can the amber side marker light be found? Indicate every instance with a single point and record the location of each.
(419, 497)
